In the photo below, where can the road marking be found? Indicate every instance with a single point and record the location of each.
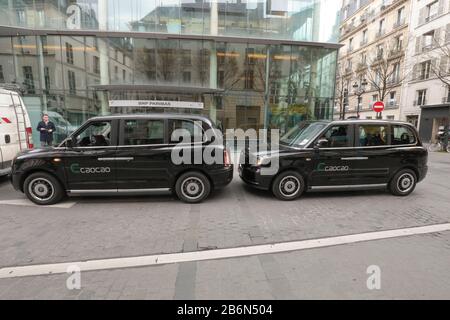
(25, 202)
(152, 260)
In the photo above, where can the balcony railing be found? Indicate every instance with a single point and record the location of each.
(422, 102)
(400, 23)
(380, 34)
(363, 42)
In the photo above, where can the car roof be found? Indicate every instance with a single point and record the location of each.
(154, 116)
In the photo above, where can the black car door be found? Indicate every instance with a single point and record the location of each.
(89, 162)
(373, 148)
(143, 156)
(334, 157)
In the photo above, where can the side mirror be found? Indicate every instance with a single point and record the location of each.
(321, 143)
(70, 143)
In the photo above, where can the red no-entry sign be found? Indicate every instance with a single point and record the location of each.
(378, 106)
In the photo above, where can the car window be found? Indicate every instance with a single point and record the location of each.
(337, 136)
(143, 132)
(192, 130)
(97, 134)
(402, 135)
(372, 135)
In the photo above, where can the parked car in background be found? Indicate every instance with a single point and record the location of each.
(15, 128)
(340, 155)
(126, 154)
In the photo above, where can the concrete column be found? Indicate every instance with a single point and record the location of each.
(103, 51)
(214, 30)
(41, 65)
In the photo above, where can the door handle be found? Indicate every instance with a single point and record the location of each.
(116, 159)
(355, 158)
(124, 159)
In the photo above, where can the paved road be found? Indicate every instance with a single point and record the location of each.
(100, 228)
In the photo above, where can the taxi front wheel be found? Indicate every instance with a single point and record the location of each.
(43, 189)
(192, 187)
(288, 186)
(403, 183)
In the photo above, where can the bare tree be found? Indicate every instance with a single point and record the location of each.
(343, 79)
(384, 70)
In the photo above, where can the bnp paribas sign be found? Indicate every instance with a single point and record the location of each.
(155, 104)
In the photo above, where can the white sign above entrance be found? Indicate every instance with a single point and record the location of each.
(155, 104)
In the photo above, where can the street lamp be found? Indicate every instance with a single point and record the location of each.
(345, 103)
(359, 90)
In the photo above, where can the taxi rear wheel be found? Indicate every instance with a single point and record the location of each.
(288, 186)
(43, 189)
(403, 183)
(192, 187)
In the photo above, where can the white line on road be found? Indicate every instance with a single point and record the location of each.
(25, 202)
(151, 260)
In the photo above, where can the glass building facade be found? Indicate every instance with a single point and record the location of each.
(253, 64)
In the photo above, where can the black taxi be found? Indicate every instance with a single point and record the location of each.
(128, 154)
(338, 155)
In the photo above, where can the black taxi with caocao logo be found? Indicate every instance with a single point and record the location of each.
(339, 155)
(128, 154)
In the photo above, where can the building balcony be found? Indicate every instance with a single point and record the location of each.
(363, 42)
(420, 102)
(400, 23)
(396, 53)
(380, 34)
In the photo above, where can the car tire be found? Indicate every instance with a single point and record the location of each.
(288, 186)
(43, 189)
(403, 183)
(192, 187)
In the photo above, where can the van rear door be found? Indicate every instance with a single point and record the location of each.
(8, 131)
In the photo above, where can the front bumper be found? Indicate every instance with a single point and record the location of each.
(251, 175)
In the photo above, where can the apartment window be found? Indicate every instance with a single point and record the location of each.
(425, 68)
(47, 78)
(432, 10)
(400, 16)
(124, 75)
(350, 44)
(69, 53)
(186, 58)
(396, 72)
(364, 36)
(381, 27)
(21, 17)
(392, 100)
(221, 78)
(428, 40)
(421, 97)
(186, 76)
(2, 76)
(116, 72)
(349, 64)
(96, 65)
(249, 79)
(28, 79)
(72, 82)
(399, 43)
(363, 58)
(374, 98)
(380, 51)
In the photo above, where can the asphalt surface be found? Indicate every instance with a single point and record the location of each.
(100, 228)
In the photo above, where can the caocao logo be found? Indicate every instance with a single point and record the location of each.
(75, 168)
(337, 168)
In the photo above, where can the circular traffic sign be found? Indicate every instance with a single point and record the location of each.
(378, 106)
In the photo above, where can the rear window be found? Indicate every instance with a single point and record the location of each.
(372, 135)
(402, 135)
(143, 132)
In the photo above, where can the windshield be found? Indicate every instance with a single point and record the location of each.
(302, 134)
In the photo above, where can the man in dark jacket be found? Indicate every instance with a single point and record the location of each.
(46, 129)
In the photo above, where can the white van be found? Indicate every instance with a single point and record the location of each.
(15, 128)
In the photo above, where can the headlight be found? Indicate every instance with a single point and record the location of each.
(262, 161)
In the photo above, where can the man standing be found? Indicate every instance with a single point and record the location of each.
(46, 129)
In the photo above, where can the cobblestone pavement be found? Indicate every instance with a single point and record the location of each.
(96, 228)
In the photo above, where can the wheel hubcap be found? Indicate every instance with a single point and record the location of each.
(192, 188)
(405, 182)
(41, 189)
(289, 186)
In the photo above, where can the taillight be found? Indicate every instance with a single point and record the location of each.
(226, 158)
(29, 135)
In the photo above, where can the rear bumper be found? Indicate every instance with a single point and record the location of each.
(423, 171)
(222, 177)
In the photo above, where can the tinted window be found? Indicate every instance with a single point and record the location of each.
(143, 132)
(338, 137)
(402, 135)
(190, 130)
(373, 135)
(97, 134)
